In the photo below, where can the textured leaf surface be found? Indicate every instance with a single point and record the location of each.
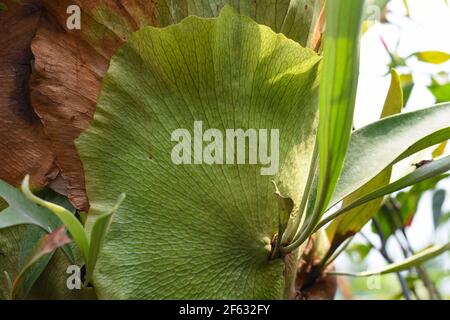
(197, 231)
(70, 64)
(10, 243)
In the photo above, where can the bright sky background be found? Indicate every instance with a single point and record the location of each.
(427, 29)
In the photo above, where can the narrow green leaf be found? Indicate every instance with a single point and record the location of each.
(70, 221)
(408, 12)
(9, 283)
(394, 99)
(33, 235)
(337, 91)
(349, 224)
(23, 211)
(440, 91)
(439, 151)
(427, 171)
(47, 245)
(97, 234)
(411, 262)
(435, 57)
(407, 85)
(387, 141)
(437, 202)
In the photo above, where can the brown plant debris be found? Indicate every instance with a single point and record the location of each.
(24, 147)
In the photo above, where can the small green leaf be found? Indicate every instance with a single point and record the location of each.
(444, 218)
(435, 57)
(23, 211)
(437, 202)
(358, 251)
(394, 99)
(89, 249)
(439, 151)
(47, 245)
(8, 283)
(285, 207)
(97, 234)
(440, 91)
(407, 82)
(70, 221)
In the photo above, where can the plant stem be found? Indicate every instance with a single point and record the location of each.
(299, 219)
(308, 230)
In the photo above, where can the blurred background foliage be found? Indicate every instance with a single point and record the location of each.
(409, 220)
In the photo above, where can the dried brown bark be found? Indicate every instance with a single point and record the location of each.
(69, 66)
(46, 106)
(64, 87)
(312, 281)
(24, 147)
